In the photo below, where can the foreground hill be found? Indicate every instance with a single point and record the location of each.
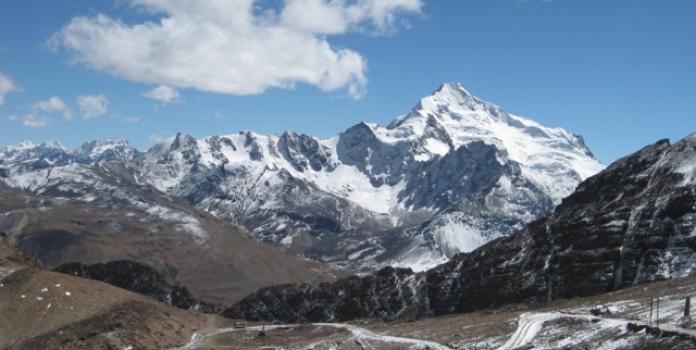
(48, 310)
(633, 223)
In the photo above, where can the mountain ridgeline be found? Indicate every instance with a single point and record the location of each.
(633, 223)
(447, 177)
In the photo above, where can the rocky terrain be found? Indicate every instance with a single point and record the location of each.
(447, 177)
(633, 223)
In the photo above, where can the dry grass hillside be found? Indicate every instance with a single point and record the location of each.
(41, 309)
(223, 269)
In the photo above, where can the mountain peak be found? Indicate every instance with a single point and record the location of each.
(456, 89)
(453, 96)
(182, 141)
(111, 149)
(26, 146)
(452, 115)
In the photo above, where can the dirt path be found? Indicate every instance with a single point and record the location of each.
(359, 333)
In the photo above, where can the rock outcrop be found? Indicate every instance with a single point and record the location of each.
(139, 278)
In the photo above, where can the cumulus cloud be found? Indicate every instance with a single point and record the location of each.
(233, 46)
(30, 120)
(93, 106)
(54, 104)
(7, 86)
(39, 118)
(164, 94)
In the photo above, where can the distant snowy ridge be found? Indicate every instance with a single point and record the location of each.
(447, 177)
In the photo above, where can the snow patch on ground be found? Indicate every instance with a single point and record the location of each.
(181, 220)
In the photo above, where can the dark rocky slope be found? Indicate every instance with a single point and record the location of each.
(139, 278)
(633, 223)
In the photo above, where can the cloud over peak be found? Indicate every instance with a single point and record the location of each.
(233, 47)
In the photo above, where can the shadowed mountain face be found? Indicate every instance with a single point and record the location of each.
(633, 223)
(447, 177)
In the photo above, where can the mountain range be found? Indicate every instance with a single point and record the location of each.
(447, 177)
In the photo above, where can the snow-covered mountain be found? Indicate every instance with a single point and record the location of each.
(450, 175)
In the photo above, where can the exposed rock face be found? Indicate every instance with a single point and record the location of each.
(139, 278)
(635, 222)
(376, 295)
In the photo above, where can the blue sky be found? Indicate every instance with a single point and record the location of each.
(620, 73)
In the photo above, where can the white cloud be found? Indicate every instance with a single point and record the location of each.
(7, 86)
(30, 120)
(233, 47)
(164, 94)
(337, 16)
(131, 120)
(93, 106)
(38, 118)
(54, 104)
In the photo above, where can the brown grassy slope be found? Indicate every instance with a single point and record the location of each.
(227, 267)
(41, 309)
